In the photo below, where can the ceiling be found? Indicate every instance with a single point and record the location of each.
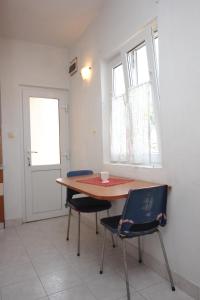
(52, 22)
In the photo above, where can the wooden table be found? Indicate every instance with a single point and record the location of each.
(105, 193)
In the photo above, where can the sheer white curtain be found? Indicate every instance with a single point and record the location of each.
(119, 125)
(139, 103)
(134, 135)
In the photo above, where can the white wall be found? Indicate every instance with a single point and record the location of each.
(112, 28)
(23, 64)
(179, 25)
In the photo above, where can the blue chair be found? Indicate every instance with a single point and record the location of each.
(83, 205)
(143, 213)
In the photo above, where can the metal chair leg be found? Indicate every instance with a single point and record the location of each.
(96, 217)
(139, 250)
(68, 226)
(126, 269)
(103, 251)
(166, 260)
(79, 228)
(113, 240)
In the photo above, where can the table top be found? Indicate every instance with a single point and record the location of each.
(105, 193)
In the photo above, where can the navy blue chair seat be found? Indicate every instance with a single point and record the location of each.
(112, 224)
(89, 205)
(83, 204)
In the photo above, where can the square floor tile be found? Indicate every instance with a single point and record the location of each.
(88, 270)
(16, 273)
(108, 287)
(12, 254)
(60, 280)
(76, 293)
(48, 263)
(163, 291)
(135, 296)
(141, 277)
(39, 248)
(27, 290)
(8, 241)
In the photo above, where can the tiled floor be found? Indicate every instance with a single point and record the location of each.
(36, 262)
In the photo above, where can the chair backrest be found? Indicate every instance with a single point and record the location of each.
(142, 207)
(79, 173)
(70, 192)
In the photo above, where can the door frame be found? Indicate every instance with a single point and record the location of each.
(23, 150)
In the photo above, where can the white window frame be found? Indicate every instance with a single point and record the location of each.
(146, 35)
(116, 61)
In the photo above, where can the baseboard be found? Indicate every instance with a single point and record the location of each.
(185, 285)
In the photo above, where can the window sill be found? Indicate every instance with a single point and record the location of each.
(134, 165)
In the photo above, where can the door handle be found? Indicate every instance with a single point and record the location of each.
(29, 156)
(29, 161)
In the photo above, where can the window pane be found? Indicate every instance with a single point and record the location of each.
(139, 111)
(44, 130)
(132, 68)
(138, 66)
(118, 81)
(118, 120)
(144, 148)
(154, 146)
(118, 130)
(156, 50)
(142, 65)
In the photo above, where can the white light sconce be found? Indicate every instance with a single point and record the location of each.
(86, 73)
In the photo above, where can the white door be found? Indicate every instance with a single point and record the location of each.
(46, 151)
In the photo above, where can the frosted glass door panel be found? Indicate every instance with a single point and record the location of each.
(44, 129)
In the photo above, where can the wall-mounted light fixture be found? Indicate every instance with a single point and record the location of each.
(86, 73)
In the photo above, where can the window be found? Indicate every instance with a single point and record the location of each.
(119, 114)
(118, 81)
(134, 134)
(138, 66)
